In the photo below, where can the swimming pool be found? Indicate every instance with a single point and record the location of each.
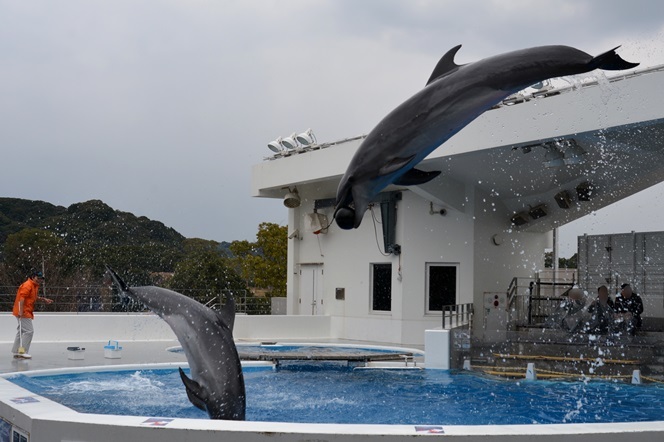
(335, 393)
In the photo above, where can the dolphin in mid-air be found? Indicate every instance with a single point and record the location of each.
(453, 97)
(206, 336)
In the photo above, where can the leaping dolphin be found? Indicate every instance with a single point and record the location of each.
(453, 97)
(206, 336)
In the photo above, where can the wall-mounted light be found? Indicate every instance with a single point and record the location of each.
(306, 138)
(289, 142)
(276, 146)
(292, 199)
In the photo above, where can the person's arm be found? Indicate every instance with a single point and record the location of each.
(20, 308)
(46, 300)
(639, 306)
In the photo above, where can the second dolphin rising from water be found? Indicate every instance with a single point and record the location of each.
(453, 97)
(206, 336)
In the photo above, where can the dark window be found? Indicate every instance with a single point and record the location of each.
(442, 286)
(381, 277)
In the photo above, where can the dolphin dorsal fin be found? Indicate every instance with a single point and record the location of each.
(227, 312)
(445, 64)
(195, 392)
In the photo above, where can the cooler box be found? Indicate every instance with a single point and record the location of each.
(112, 350)
(75, 353)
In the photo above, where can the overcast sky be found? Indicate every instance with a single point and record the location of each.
(160, 108)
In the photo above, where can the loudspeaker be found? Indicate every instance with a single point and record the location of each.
(586, 191)
(563, 199)
(520, 219)
(538, 211)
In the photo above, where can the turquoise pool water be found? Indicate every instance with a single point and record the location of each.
(331, 393)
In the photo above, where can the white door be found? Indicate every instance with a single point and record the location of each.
(311, 289)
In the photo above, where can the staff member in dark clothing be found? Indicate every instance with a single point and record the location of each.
(628, 307)
(602, 312)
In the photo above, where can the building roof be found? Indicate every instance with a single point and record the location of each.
(604, 134)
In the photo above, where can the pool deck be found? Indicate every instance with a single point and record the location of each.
(54, 355)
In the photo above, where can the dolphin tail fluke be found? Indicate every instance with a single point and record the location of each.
(194, 391)
(611, 61)
(124, 288)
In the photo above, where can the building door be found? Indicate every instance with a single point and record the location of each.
(311, 289)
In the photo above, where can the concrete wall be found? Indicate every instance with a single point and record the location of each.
(143, 327)
(519, 254)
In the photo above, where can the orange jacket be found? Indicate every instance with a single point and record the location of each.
(28, 293)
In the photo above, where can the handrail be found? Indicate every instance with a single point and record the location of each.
(457, 314)
(511, 290)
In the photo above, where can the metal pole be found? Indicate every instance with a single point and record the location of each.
(555, 258)
(530, 303)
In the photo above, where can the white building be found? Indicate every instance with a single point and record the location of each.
(508, 179)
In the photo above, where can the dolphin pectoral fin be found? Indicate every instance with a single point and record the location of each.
(416, 177)
(610, 61)
(445, 65)
(227, 312)
(394, 165)
(195, 392)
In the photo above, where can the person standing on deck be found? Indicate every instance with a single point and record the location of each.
(24, 304)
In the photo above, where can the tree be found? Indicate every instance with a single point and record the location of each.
(264, 263)
(30, 249)
(204, 275)
(563, 263)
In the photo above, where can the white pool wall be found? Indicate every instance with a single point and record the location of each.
(92, 327)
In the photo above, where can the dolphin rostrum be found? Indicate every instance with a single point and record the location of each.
(453, 97)
(206, 336)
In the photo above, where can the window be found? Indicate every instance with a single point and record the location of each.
(381, 287)
(442, 284)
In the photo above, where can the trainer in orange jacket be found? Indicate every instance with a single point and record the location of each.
(24, 306)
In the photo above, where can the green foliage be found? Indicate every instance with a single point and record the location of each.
(26, 250)
(263, 263)
(75, 244)
(204, 275)
(18, 214)
(86, 236)
(563, 263)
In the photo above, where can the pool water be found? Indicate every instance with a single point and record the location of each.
(331, 393)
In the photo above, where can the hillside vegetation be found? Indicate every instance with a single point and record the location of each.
(74, 244)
